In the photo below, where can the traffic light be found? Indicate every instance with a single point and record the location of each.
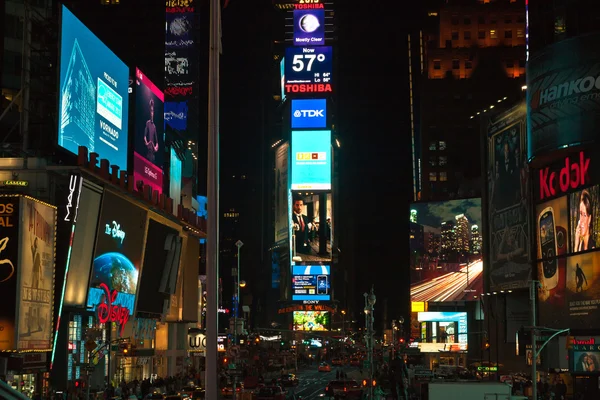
(486, 344)
(401, 340)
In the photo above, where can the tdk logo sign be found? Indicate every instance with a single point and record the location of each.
(309, 113)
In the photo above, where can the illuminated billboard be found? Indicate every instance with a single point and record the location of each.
(9, 264)
(311, 160)
(309, 27)
(311, 321)
(308, 70)
(176, 115)
(567, 234)
(118, 257)
(446, 262)
(311, 235)
(148, 156)
(175, 178)
(309, 113)
(442, 331)
(311, 282)
(508, 201)
(93, 104)
(36, 275)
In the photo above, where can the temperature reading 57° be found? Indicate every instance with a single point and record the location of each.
(304, 62)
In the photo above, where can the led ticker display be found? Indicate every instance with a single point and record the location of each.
(311, 282)
(442, 331)
(93, 106)
(311, 160)
(308, 69)
(311, 320)
(309, 27)
(309, 113)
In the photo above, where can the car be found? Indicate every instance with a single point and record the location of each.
(270, 393)
(173, 397)
(354, 362)
(198, 394)
(187, 390)
(324, 367)
(155, 396)
(288, 380)
(337, 361)
(344, 389)
(227, 391)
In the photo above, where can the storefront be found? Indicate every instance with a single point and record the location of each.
(28, 373)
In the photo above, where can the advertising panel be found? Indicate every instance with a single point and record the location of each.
(311, 282)
(179, 30)
(562, 94)
(311, 238)
(118, 258)
(567, 233)
(148, 157)
(309, 27)
(443, 331)
(176, 115)
(308, 70)
(311, 165)
(446, 262)
(309, 113)
(281, 194)
(508, 204)
(317, 321)
(9, 262)
(36, 275)
(282, 77)
(586, 362)
(93, 106)
(175, 171)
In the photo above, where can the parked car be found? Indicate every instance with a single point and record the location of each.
(324, 367)
(270, 393)
(344, 389)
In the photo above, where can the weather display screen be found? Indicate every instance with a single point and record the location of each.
(308, 69)
(309, 27)
(94, 83)
(311, 282)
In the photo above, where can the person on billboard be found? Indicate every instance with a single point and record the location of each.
(583, 230)
(150, 135)
(301, 227)
(506, 178)
(579, 278)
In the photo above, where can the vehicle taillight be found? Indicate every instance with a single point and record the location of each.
(345, 389)
(374, 383)
(327, 388)
(364, 382)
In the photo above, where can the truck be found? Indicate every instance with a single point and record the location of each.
(467, 390)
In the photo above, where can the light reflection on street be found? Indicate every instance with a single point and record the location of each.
(450, 286)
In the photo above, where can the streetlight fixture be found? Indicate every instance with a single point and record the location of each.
(343, 332)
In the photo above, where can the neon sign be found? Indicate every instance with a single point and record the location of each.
(115, 231)
(107, 312)
(74, 191)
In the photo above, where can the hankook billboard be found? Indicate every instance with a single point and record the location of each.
(563, 95)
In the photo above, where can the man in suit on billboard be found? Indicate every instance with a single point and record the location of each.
(301, 227)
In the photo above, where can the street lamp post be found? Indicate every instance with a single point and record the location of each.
(370, 300)
(239, 245)
(343, 332)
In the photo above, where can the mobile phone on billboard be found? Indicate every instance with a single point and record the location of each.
(548, 247)
(322, 284)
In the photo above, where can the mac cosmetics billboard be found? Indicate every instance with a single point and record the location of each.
(508, 201)
(563, 89)
(149, 153)
(93, 105)
(309, 27)
(446, 261)
(311, 282)
(118, 255)
(36, 275)
(567, 235)
(311, 160)
(309, 113)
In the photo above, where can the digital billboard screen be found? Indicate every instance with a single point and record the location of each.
(176, 114)
(311, 321)
(446, 262)
(442, 331)
(309, 113)
(148, 157)
(308, 70)
(309, 27)
(118, 254)
(311, 236)
(311, 282)
(93, 105)
(311, 160)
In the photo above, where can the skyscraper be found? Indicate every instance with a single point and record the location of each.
(463, 235)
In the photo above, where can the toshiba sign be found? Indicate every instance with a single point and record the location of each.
(563, 95)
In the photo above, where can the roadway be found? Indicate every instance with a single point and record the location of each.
(312, 383)
(450, 286)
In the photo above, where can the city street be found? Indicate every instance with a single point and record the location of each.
(312, 383)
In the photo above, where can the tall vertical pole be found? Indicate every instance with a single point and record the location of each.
(26, 78)
(236, 307)
(533, 298)
(212, 179)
